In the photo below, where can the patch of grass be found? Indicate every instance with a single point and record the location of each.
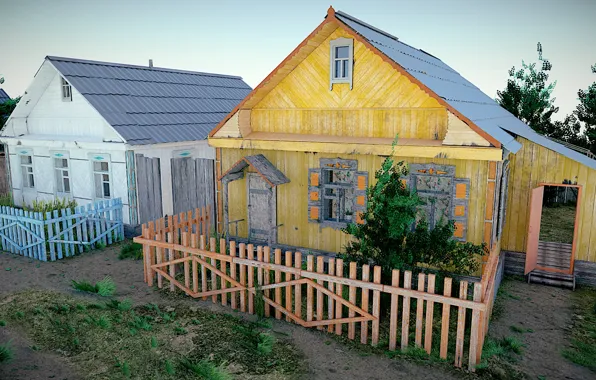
(170, 370)
(2, 323)
(512, 344)
(131, 251)
(144, 341)
(104, 288)
(517, 329)
(123, 305)
(557, 224)
(6, 354)
(583, 334)
(207, 370)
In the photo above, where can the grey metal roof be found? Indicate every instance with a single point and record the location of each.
(457, 91)
(3, 96)
(263, 166)
(149, 105)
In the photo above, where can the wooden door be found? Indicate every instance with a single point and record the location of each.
(193, 184)
(148, 178)
(534, 229)
(261, 216)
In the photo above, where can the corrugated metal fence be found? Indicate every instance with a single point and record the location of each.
(61, 233)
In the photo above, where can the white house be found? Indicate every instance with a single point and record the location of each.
(94, 130)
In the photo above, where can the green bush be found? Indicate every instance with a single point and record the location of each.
(6, 200)
(49, 206)
(131, 251)
(388, 240)
(5, 353)
(104, 288)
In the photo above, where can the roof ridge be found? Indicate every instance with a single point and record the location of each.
(138, 67)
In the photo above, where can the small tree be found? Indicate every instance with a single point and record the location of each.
(528, 95)
(388, 240)
(586, 112)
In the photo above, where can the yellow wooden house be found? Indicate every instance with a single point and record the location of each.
(295, 157)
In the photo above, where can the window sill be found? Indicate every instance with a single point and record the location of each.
(335, 225)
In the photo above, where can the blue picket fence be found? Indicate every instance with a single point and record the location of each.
(61, 233)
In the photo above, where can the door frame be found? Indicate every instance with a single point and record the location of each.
(575, 230)
(575, 227)
(272, 204)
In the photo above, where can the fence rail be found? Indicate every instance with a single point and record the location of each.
(325, 293)
(60, 233)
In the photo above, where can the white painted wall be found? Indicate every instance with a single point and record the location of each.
(81, 172)
(165, 152)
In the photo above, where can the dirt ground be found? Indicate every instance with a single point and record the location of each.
(547, 312)
(325, 358)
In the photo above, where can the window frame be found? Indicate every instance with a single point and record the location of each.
(65, 90)
(25, 184)
(330, 165)
(61, 156)
(333, 44)
(102, 158)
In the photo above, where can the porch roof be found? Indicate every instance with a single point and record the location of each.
(261, 165)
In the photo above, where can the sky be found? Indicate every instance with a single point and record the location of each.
(480, 39)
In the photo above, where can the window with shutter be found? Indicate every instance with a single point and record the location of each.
(445, 197)
(337, 193)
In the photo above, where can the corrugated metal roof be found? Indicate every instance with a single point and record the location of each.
(149, 105)
(3, 96)
(457, 91)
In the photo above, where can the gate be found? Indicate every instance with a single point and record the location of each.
(148, 188)
(193, 184)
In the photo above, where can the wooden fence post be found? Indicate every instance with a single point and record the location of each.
(242, 255)
(376, 306)
(430, 305)
(288, 277)
(405, 322)
(233, 266)
(224, 269)
(339, 272)
(251, 278)
(267, 274)
(445, 319)
(309, 289)
(352, 298)
(298, 288)
(202, 246)
(364, 305)
(170, 239)
(212, 248)
(419, 311)
(331, 287)
(461, 325)
(277, 281)
(474, 329)
(393, 316)
(320, 269)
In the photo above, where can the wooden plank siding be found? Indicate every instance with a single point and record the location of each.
(292, 197)
(532, 165)
(382, 103)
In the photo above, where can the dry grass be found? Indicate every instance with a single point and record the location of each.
(114, 340)
(557, 224)
(583, 335)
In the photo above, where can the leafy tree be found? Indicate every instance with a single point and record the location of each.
(387, 238)
(586, 112)
(6, 109)
(528, 95)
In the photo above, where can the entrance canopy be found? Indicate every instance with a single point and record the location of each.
(261, 165)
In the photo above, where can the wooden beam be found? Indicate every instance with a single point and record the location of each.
(450, 152)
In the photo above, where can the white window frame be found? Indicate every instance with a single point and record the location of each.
(333, 44)
(59, 173)
(66, 90)
(99, 157)
(25, 183)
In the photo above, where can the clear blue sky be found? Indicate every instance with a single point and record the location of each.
(480, 39)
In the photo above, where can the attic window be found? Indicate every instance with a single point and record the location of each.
(341, 62)
(66, 91)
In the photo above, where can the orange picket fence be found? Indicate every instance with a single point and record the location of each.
(321, 292)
